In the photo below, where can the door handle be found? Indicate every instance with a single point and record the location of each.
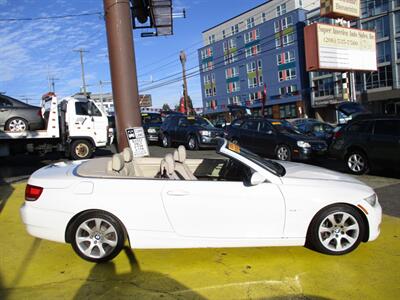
(177, 193)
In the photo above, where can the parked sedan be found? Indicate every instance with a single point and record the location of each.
(275, 138)
(151, 124)
(241, 201)
(321, 130)
(18, 116)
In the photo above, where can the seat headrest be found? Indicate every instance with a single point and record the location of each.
(170, 163)
(128, 154)
(109, 166)
(117, 162)
(180, 154)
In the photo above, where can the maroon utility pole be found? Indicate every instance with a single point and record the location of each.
(123, 67)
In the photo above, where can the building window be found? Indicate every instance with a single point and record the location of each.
(235, 29)
(288, 90)
(371, 8)
(255, 96)
(381, 78)
(397, 21)
(398, 48)
(250, 23)
(223, 34)
(234, 100)
(229, 45)
(285, 40)
(282, 24)
(211, 39)
(380, 26)
(324, 87)
(286, 57)
(383, 52)
(233, 87)
(288, 74)
(232, 72)
(281, 10)
(287, 111)
(264, 17)
(208, 66)
(251, 36)
(206, 53)
(253, 50)
(251, 66)
(210, 91)
(255, 81)
(230, 58)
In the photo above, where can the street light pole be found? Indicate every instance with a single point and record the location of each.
(123, 67)
(81, 51)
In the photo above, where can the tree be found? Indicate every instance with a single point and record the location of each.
(166, 107)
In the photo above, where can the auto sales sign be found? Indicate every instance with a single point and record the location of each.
(346, 9)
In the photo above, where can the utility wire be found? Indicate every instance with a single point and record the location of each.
(51, 17)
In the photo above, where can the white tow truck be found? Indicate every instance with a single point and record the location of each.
(74, 126)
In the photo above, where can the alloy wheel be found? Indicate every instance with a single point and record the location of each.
(356, 163)
(165, 141)
(283, 153)
(82, 150)
(17, 125)
(96, 238)
(192, 143)
(339, 231)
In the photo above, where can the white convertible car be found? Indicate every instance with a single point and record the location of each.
(174, 202)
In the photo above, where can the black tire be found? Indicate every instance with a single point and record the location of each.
(283, 152)
(111, 243)
(17, 125)
(356, 162)
(340, 238)
(165, 141)
(81, 149)
(192, 143)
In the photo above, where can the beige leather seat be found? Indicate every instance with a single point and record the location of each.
(131, 168)
(116, 165)
(167, 168)
(180, 166)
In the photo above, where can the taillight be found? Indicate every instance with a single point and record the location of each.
(39, 113)
(338, 134)
(32, 193)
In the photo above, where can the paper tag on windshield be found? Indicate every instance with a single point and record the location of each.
(137, 141)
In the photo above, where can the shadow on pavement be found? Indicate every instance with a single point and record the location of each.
(389, 199)
(5, 192)
(3, 291)
(103, 281)
(295, 297)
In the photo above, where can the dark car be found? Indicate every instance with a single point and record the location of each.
(275, 138)
(368, 141)
(151, 124)
(18, 116)
(321, 130)
(194, 132)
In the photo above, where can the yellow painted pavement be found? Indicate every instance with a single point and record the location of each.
(36, 269)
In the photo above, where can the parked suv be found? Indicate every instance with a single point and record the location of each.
(151, 124)
(367, 142)
(194, 132)
(274, 138)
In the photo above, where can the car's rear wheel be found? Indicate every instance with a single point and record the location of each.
(17, 125)
(336, 230)
(192, 143)
(81, 149)
(283, 153)
(166, 141)
(357, 162)
(97, 237)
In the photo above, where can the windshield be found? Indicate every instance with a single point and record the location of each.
(202, 122)
(151, 118)
(270, 165)
(284, 127)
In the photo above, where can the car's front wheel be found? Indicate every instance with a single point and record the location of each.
(165, 141)
(17, 125)
(283, 153)
(81, 149)
(97, 237)
(192, 143)
(336, 230)
(357, 162)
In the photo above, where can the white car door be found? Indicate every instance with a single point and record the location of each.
(224, 209)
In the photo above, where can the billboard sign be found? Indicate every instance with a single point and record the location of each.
(336, 48)
(346, 9)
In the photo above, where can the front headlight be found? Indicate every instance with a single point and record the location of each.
(372, 199)
(205, 133)
(151, 130)
(303, 144)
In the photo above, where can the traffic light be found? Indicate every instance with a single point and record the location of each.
(141, 10)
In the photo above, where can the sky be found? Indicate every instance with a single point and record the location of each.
(31, 51)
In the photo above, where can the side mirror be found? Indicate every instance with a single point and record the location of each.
(256, 179)
(269, 132)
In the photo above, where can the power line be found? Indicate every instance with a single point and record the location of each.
(51, 17)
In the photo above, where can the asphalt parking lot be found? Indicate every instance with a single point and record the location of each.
(31, 268)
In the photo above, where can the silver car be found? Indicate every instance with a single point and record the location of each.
(18, 116)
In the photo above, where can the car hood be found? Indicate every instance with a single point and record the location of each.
(296, 171)
(303, 137)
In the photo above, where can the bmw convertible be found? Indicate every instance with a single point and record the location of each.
(240, 200)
